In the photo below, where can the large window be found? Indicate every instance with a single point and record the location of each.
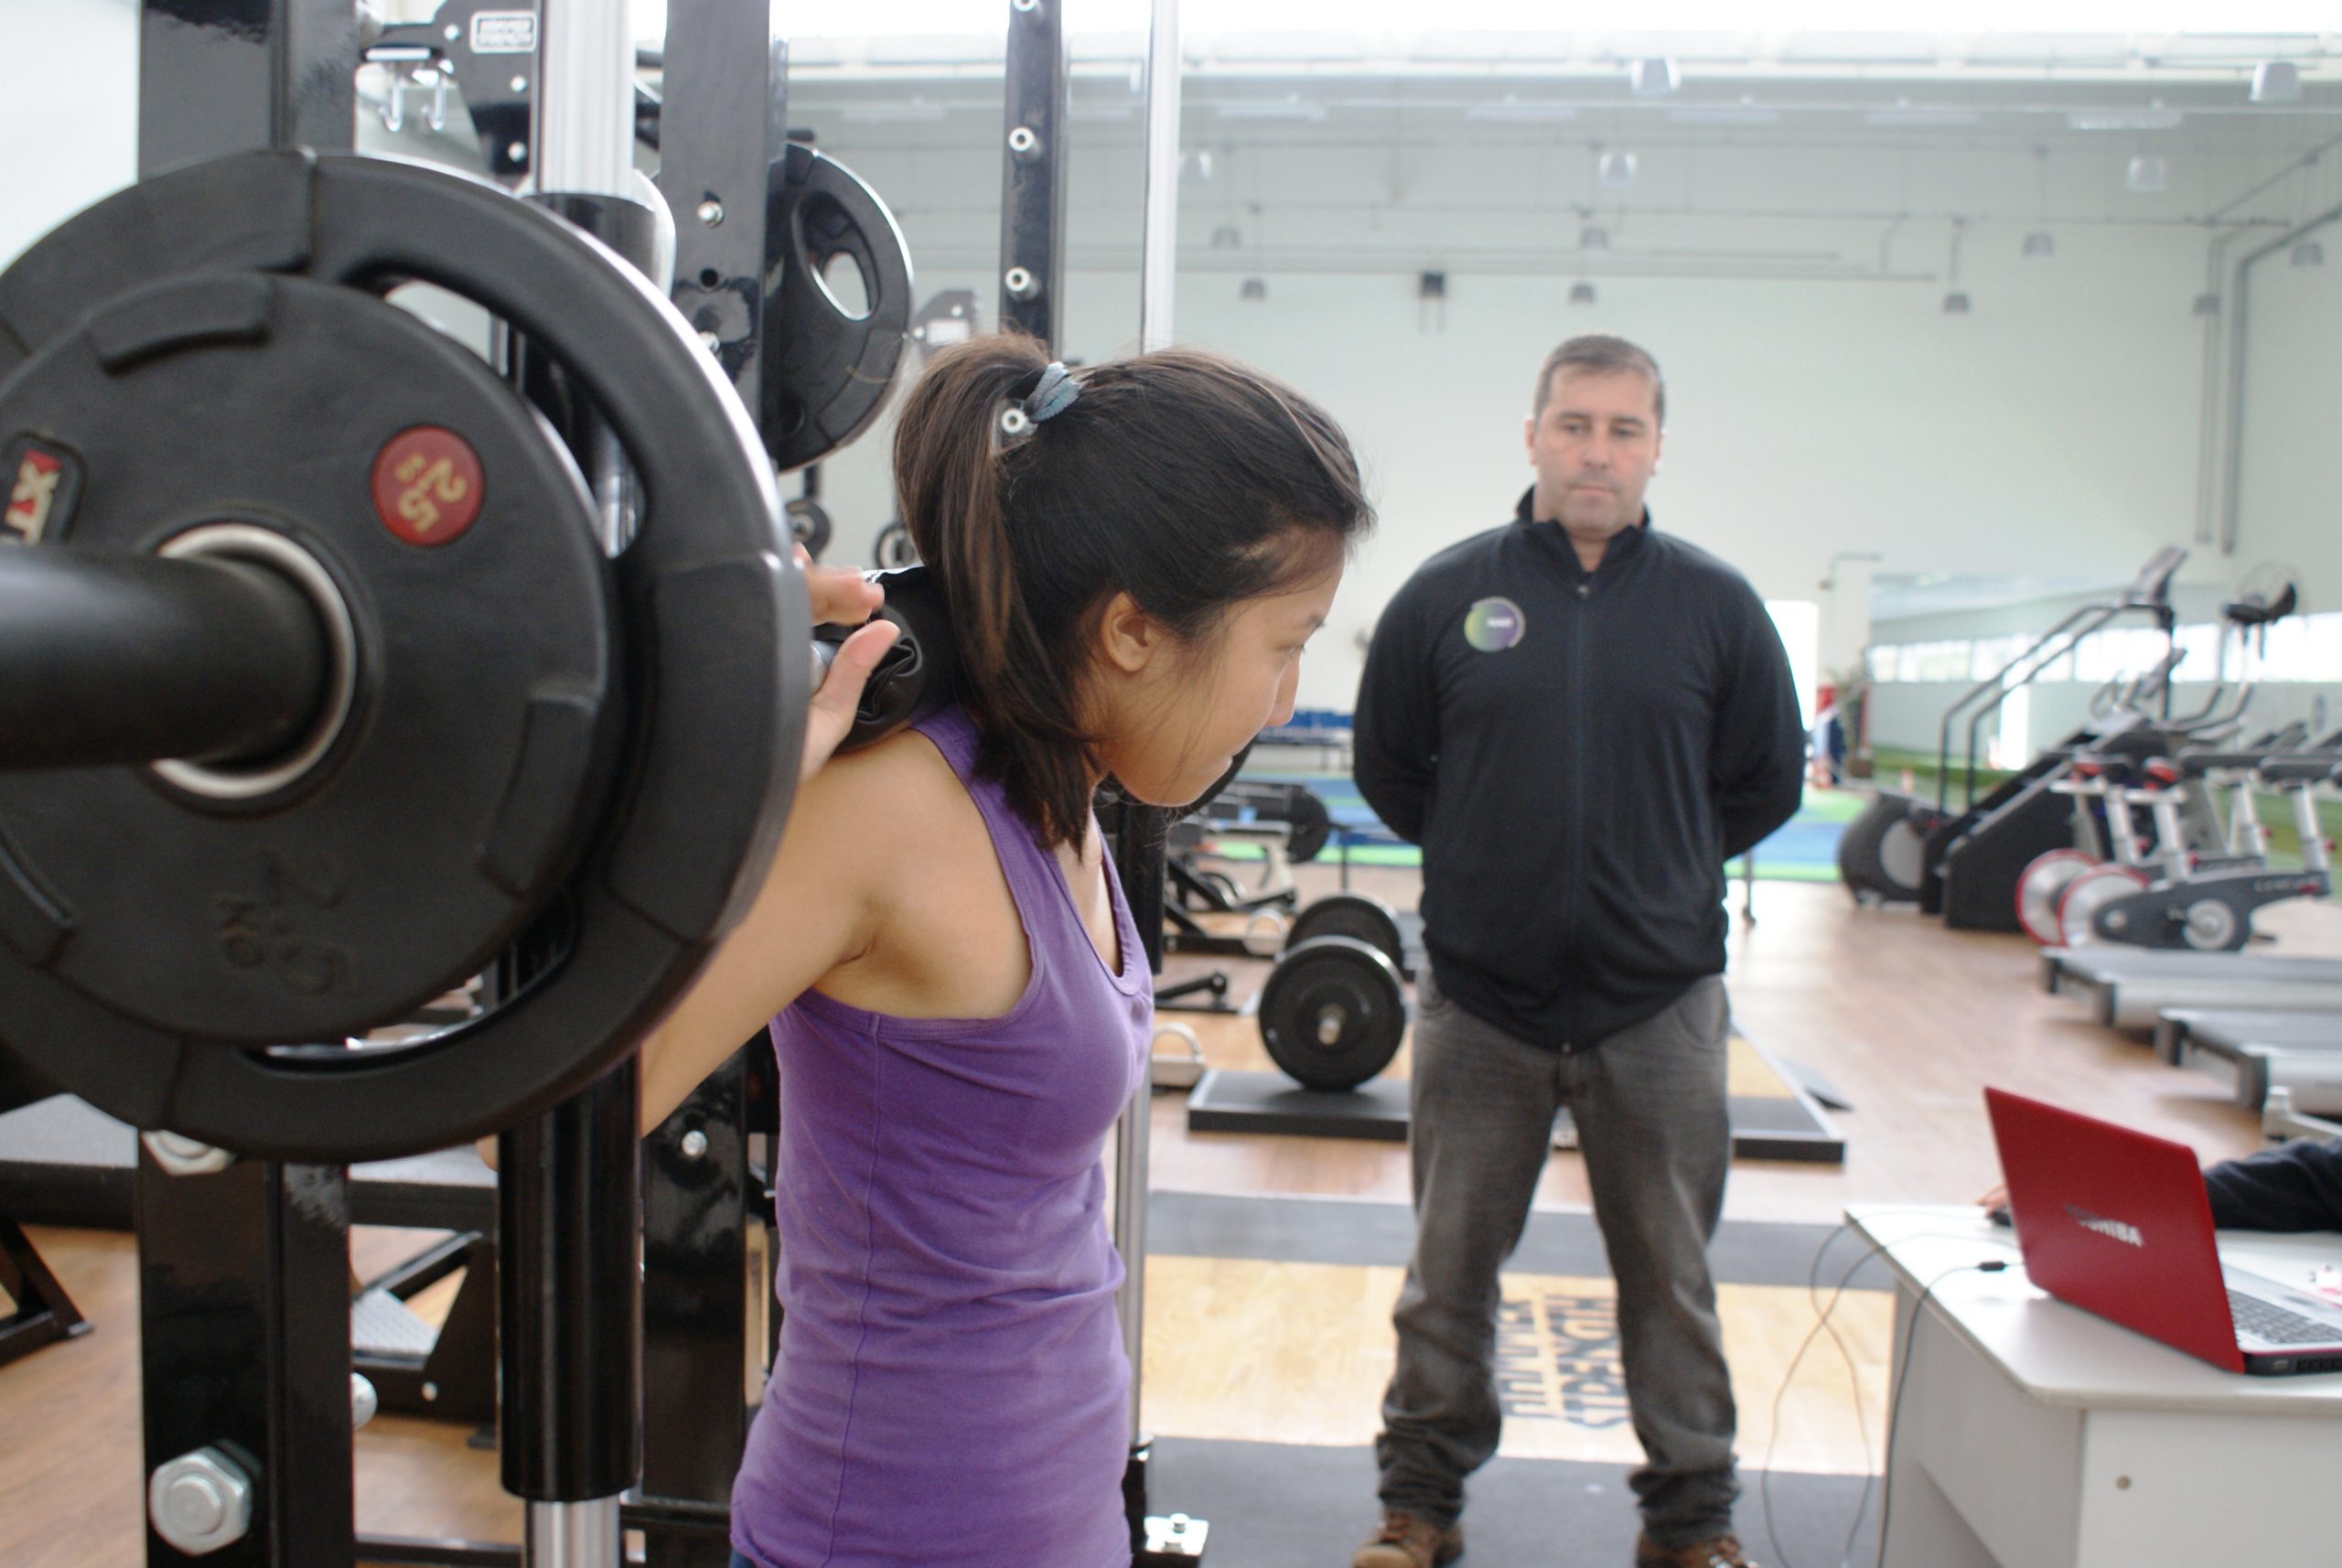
(2298, 648)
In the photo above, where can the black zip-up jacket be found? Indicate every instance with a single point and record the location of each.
(1578, 754)
(2295, 1187)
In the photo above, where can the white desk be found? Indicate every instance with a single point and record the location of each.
(2033, 1435)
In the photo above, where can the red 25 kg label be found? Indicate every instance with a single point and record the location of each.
(427, 485)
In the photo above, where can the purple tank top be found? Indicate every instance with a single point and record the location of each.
(951, 1384)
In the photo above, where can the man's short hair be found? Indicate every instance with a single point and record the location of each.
(1604, 356)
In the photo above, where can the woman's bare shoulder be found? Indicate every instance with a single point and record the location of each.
(892, 802)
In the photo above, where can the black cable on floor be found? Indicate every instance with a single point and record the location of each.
(1824, 1312)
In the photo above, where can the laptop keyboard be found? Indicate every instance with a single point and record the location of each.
(2275, 1324)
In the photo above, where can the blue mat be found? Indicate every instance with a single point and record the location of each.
(1803, 848)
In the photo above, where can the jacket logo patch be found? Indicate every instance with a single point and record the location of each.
(1494, 625)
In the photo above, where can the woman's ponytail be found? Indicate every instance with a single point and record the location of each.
(954, 472)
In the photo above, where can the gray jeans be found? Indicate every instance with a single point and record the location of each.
(1648, 1103)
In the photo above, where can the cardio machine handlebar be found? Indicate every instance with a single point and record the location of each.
(2149, 592)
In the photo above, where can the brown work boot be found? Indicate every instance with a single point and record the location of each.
(1406, 1541)
(1717, 1552)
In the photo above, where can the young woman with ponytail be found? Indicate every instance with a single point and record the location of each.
(1133, 555)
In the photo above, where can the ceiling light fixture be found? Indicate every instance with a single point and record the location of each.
(1652, 77)
(2276, 81)
(1722, 115)
(1616, 171)
(1513, 109)
(1919, 117)
(1271, 108)
(2146, 176)
(2038, 243)
(2156, 119)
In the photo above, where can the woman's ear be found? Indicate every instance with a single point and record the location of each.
(1129, 638)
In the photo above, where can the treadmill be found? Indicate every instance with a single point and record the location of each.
(2260, 1052)
(2130, 987)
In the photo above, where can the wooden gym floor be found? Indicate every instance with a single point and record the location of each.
(1906, 1019)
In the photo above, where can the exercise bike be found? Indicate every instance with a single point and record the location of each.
(2181, 901)
(2106, 849)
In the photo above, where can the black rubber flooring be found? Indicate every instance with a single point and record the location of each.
(1282, 1506)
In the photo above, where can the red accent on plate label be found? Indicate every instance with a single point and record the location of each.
(31, 495)
(427, 485)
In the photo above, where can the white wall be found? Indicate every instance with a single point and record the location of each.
(2050, 432)
(1821, 402)
(2291, 494)
(2290, 510)
(69, 120)
(1806, 419)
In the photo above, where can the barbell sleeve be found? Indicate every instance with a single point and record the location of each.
(110, 658)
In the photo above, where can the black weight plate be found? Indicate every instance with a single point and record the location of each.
(1313, 827)
(809, 524)
(480, 731)
(826, 371)
(1333, 1012)
(893, 548)
(1352, 914)
(712, 626)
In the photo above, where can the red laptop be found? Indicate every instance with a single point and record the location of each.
(2117, 1223)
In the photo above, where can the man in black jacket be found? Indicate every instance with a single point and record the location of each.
(1580, 719)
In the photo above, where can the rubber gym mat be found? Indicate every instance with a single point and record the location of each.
(1556, 1241)
(1272, 1506)
(1772, 1117)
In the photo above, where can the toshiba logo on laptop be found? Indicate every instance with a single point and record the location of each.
(2114, 1229)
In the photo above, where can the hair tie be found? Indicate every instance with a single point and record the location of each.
(1051, 395)
(1054, 395)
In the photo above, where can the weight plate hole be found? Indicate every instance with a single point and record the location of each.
(848, 286)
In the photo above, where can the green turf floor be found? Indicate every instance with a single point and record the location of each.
(1803, 850)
